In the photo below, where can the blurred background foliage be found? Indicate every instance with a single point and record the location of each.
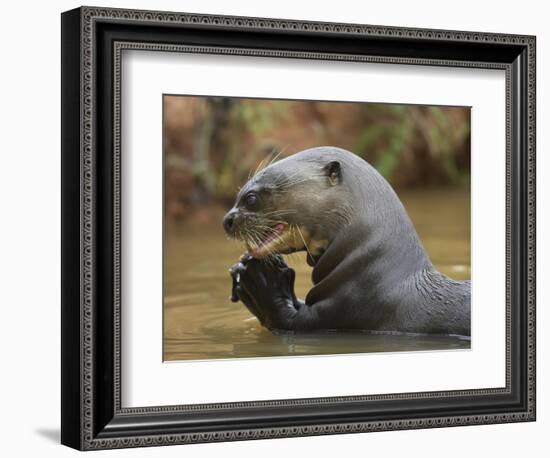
(213, 143)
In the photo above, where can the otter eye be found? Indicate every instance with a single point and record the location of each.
(251, 200)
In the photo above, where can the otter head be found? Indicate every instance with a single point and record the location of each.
(292, 205)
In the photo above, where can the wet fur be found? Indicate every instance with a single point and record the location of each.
(371, 274)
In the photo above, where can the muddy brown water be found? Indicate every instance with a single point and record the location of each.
(200, 322)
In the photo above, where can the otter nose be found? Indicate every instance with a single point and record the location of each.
(229, 221)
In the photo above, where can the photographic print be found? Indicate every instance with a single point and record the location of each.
(303, 227)
(347, 204)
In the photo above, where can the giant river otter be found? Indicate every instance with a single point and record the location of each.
(370, 270)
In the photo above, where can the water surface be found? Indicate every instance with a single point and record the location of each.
(200, 322)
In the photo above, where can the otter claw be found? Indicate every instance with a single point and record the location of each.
(235, 273)
(245, 258)
(234, 296)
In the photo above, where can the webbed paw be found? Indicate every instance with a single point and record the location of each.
(266, 288)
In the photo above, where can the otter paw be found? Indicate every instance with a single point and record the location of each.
(238, 293)
(236, 272)
(266, 287)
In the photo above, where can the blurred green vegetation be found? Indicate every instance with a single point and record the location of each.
(212, 144)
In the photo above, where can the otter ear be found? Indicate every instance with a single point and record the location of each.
(334, 173)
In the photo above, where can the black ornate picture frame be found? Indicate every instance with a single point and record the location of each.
(92, 42)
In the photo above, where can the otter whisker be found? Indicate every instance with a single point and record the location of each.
(265, 226)
(280, 212)
(299, 181)
(272, 252)
(304, 240)
(289, 184)
(271, 212)
(267, 230)
(298, 174)
(247, 235)
(253, 232)
(274, 158)
(256, 241)
(259, 236)
(270, 223)
(281, 151)
(259, 167)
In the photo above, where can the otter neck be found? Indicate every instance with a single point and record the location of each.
(380, 240)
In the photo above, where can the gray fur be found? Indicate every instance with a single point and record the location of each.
(374, 273)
